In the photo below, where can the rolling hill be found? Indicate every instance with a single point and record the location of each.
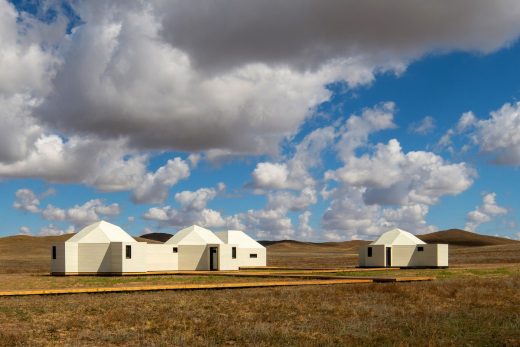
(457, 237)
(159, 237)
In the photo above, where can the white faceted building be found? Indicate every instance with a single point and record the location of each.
(105, 248)
(248, 252)
(399, 248)
(101, 247)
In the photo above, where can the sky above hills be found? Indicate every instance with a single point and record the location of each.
(309, 120)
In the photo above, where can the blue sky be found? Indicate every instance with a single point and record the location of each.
(325, 122)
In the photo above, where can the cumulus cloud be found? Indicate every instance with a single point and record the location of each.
(154, 187)
(26, 201)
(263, 78)
(391, 177)
(136, 76)
(499, 136)
(82, 215)
(356, 130)
(193, 210)
(305, 231)
(25, 230)
(294, 173)
(348, 217)
(425, 126)
(484, 213)
(54, 230)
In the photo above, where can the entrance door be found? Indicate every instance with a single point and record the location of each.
(388, 256)
(213, 258)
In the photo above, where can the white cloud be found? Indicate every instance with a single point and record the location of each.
(154, 187)
(499, 136)
(294, 174)
(193, 210)
(271, 175)
(26, 201)
(25, 230)
(305, 231)
(425, 126)
(289, 201)
(53, 230)
(54, 213)
(82, 215)
(484, 213)
(355, 132)
(390, 176)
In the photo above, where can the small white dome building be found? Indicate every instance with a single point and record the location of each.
(399, 248)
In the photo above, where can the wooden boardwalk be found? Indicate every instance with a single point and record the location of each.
(332, 280)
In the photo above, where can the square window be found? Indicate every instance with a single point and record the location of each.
(233, 252)
(420, 249)
(175, 250)
(128, 252)
(53, 252)
(369, 252)
(253, 255)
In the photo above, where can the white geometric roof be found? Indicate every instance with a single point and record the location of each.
(101, 232)
(238, 237)
(194, 235)
(398, 237)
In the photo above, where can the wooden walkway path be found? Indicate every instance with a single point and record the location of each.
(304, 282)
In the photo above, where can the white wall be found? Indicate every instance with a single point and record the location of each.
(161, 258)
(137, 263)
(378, 258)
(193, 257)
(66, 258)
(226, 261)
(94, 257)
(244, 258)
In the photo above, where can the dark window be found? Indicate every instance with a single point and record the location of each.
(175, 249)
(53, 252)
(420, 249)
(233, 252)
(253, 255)
(128, 252)
(369, 251)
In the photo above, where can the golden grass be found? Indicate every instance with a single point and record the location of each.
(454, 312)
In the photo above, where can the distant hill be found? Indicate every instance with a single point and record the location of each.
(292, 244)
(459, 237)
(161, 237)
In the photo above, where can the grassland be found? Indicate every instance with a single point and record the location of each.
(475, 302)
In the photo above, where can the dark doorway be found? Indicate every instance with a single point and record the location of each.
(388, 256)
(213, 258)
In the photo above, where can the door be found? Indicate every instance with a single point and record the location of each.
(388, 256)
(213, 258)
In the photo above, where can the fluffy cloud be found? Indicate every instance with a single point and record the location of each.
(391, 177)
(499, 136)
(307, 34)
(355, 132)
(294, 174)
(82, 215)
(305, 231)
(425, 126)
(484, 213)
(154, 187)
(193, 210)
(27, 201)
(138, 76)
(25, 230)
(53, 230)
(152, 72)
(348, 217)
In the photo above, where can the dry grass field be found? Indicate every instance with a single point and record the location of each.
(476, 302)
